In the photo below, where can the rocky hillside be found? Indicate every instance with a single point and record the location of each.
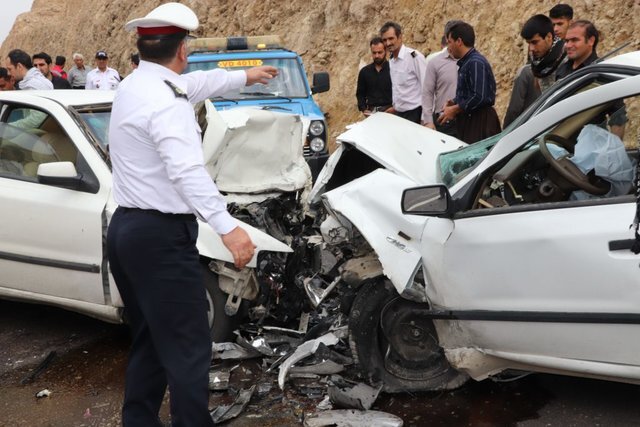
(330, 35)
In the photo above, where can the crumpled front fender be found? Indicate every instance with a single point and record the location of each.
(210, 244)
(372, 204)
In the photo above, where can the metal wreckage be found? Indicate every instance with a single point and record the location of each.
(327, 304)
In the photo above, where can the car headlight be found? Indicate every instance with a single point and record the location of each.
(317, 145)
(316, 128)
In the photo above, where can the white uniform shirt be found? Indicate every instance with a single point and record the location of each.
(108, 79)
(407, 75)
(35, 80)
(155, 143)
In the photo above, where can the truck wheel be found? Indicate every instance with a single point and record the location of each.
(221, 326)
(394, 348)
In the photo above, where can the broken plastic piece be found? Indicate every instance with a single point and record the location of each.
(43, 393)
(325, 405)
(361, 396)
(219, 378)
(327, 367)
(353, 418)
(229, 350)
(226, 412)
(239, 284)
(317, 289)
(304, 350)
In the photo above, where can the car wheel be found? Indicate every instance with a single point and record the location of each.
(221, 326)
(393, 347)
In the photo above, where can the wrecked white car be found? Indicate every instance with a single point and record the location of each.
(507, 256)
(55, 189)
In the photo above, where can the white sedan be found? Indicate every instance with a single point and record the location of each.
(506, 256)
(55, 192)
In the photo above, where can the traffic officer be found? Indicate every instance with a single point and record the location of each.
(161, 186)
(102, 77)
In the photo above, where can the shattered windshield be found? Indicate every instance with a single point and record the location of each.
(288, 84)
(455, 165)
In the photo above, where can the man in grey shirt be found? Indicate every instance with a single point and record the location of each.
(77, 75)
(440, 83)
(20, 67)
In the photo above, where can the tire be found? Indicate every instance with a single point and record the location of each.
(221, 326)
(393, 349)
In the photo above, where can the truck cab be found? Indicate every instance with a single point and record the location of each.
(289, 92)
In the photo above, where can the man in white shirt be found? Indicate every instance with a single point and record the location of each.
(440, 82)
(102, 77)
(407, 68)
(161, 186)
(20, 67)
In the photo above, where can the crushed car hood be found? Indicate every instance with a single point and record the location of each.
(251, 151)
(401, 146)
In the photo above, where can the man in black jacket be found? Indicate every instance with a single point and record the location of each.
(374, 81)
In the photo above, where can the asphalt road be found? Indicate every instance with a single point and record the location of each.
(86, 378)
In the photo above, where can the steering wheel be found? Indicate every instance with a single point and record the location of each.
(569, 171)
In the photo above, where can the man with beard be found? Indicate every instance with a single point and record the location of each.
(476, 90)
(374, 81)
(546, 53)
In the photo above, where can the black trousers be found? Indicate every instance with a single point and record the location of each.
(155, 264)
(412, 115)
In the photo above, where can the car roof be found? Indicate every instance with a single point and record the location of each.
(66, 97)
(629, 58)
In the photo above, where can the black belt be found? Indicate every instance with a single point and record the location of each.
(77, 87)
(184, 217)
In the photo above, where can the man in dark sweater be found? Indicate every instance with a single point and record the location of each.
(374, 81)
(42, 62)
(476, 91)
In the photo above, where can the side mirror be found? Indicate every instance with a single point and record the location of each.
(59, 174)
(433, 200)
(320, 82)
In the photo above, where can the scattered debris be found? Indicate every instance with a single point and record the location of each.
(317, 289)
(229, 350)
(326, 367)
(38, 370)
(352, 418)
(219, 378)
(304, 350)
(227, 412)
(325, 405)
(43, 393)
(264, 388)
(348, 396)
(87, 413)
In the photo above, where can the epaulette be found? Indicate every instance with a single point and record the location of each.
(179, 93)
(413, 53)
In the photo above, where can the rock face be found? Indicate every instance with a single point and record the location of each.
(331, 35)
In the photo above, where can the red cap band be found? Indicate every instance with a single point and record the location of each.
(160, 31)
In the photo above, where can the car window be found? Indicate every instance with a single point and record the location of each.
(590, 155)
(30, 137)
(288, 83)
(457, 164)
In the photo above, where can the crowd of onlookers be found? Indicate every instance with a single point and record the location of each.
(38, 71)
(454, 90)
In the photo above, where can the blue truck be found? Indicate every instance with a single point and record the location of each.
(289, 92)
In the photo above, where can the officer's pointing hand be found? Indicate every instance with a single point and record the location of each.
(261, 74)
(240, 245)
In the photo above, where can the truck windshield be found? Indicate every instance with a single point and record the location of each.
(288, 84)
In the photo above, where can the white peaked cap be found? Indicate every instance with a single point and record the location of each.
(166, 15)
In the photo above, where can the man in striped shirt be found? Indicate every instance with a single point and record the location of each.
(476, 91)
